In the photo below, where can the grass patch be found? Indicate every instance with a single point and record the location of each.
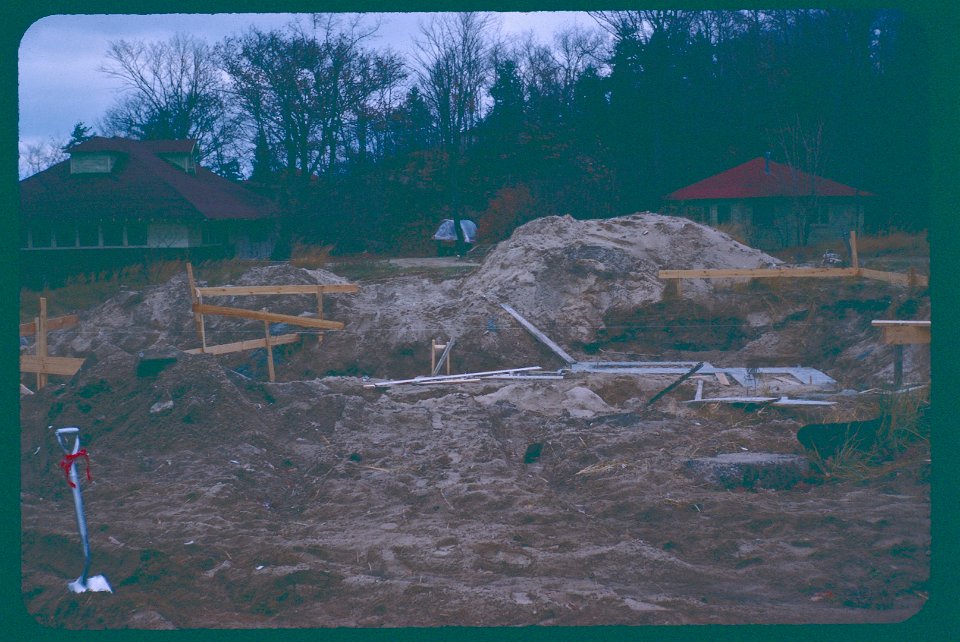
(903, 424)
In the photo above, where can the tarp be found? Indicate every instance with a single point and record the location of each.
(446, 233)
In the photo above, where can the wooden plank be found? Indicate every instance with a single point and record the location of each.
(905, 334)
(257, 290)
(758, 273)
(250, 344)
(56, 323)
(272, 317)
(50, 365)
(895, 277)
(722, 378)
(544, 339)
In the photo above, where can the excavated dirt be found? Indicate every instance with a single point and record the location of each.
(222, 500)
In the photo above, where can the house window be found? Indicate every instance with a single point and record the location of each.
(113, 234)
(136, 233)
(65, 234)
(89, 234)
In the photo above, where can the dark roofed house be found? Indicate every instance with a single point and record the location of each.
(117, 201)
(773, 204)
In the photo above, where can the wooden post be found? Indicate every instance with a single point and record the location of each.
(41, 322)
(854, 256)
(444, 356)
(270, 370)
(319, 312)
(897, 366)
(196, 299)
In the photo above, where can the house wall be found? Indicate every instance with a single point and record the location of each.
(770, 224)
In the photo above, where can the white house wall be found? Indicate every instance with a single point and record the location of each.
(168, 235)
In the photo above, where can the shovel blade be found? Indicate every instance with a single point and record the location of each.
(95, 583)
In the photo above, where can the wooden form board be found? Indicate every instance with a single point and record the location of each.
(41, 363)
(271, 317)
(914, 280)
(250, 344)
(257, 290)
(50, 365)
(904, 332)
(758, 273)
(56, 323)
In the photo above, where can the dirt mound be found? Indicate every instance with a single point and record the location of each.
(564, 273)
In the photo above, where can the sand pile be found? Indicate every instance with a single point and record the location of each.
(564, 274)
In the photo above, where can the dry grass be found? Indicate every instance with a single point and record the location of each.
(86, 290)
(310, 257)
(903, 426)
(894, 242)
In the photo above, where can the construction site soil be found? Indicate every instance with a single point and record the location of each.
(222, 500)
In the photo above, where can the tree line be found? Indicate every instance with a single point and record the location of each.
(368, 149)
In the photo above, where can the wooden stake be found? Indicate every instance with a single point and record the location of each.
(42, 341)
(195, 300)
(854, 257)
(266, 340)
(320, 312)
(897, 366)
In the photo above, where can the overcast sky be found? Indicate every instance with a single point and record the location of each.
(60, 56)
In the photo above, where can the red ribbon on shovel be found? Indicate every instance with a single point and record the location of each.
(68, 460)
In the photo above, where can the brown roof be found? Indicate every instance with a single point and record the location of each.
(142, 185)
(760, 178)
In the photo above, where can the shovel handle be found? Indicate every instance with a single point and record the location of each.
(61, 439)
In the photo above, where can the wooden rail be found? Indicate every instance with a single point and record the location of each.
(41, 363)
(200, 309)
(256, 290)
(271, 317)
(912, 279)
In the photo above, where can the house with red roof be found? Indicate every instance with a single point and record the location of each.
(116, 201)
(773, 205)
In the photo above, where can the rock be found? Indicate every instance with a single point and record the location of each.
(767, 470)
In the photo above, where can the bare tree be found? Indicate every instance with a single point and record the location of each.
(38, 156)
(174, 90)
(452, 57)
(309, 92)
(803, 149)
(452, 67)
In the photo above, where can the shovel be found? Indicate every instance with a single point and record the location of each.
(84, 582)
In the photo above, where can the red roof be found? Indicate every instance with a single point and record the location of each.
(142, 185)
(752, 180)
